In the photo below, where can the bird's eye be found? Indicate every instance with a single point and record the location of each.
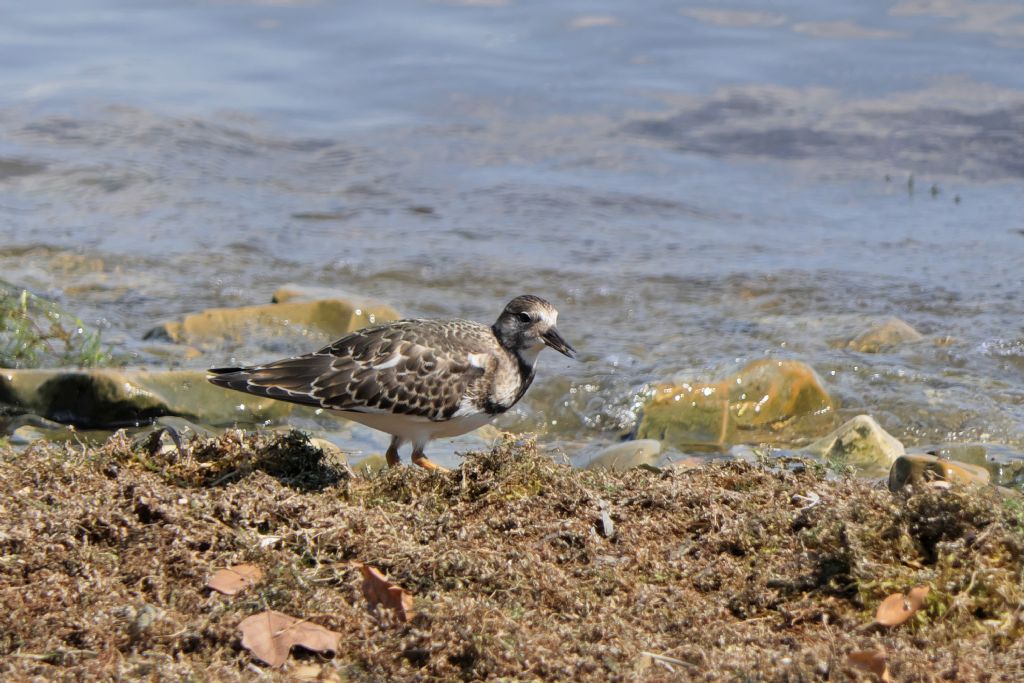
(524, 317)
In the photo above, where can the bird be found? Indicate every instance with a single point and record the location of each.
(416, 379)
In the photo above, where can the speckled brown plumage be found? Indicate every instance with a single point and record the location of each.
(415, 379)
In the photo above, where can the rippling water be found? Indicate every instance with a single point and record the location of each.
(693, 186)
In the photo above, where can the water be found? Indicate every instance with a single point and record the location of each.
(694, 187)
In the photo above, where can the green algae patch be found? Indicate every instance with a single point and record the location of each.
(519, 567)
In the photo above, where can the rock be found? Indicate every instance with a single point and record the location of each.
(1005, 463)
(922, 468)
(26, 434)
(370, 464)
(626, 455)
(115, 398)
(689, 462)
(22, 430)
(166, 353)
(884, 334)
(326, 319)
(332, 452)
(860, 442)
(768, 393)
(292, 292)
(760, 403)
(687, 416)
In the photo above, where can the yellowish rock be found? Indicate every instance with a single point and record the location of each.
(370, 464)
(114, 398)
(330, 318)
(293, 292)
(627, 455)
(693, 416)
(862, 443)
(762, 402)
(884, 334)
(923, 468)
(331, 450)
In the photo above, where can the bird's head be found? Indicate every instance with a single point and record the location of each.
(527, 325)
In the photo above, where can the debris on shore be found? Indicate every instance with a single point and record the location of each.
(503, 568)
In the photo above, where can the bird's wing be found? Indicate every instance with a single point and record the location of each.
(419, 367)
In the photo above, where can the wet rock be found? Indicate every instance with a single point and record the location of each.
(293, 292)
(323, 318)
(923, 468)
(626, 455)
(166, 353)
(332, 452)
(688, 462)
(113, 398)
(767, 400)
(22, 430)
(1004, 463)
(26, 434)
(370, 464)
(884, 334)
(860, 442)
(688, 416)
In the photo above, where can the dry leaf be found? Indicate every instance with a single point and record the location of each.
(872, 661)
(306, 672)
(917, 596)
(271, 635)
(898, 608)
(379, 591)
(234, 579)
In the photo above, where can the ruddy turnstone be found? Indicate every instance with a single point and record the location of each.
(417, 379)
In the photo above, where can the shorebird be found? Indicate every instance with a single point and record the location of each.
(417, 379)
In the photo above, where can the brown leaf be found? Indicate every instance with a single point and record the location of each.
(271, 635)
(917, 596)
(234, 579)
(379, 591)
(898, 608)
(872, 661)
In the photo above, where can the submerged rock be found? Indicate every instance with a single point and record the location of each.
(1004, 463)
(327, 318)
(370, 464)
(884, 334)
(293, 292)
(860, 442)
(765, 401)
(627, 455)
(26, 434)
(922, 468)
(114, 398)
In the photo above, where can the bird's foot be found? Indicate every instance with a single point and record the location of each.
(426, 463)
(392, 455)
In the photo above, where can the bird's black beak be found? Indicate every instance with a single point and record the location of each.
(553, 339)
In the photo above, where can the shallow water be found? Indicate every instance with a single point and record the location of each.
(694, 187)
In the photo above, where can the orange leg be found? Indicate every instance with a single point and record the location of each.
(392, 454)
(423, 461)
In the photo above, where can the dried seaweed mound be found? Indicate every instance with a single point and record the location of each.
(511, 567)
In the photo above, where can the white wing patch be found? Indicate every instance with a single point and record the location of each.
(478, 360)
